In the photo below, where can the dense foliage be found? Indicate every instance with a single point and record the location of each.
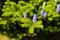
(29, 18)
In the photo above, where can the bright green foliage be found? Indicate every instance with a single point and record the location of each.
(38, 24)
(26, 23)
(15, 25)
(31, 30)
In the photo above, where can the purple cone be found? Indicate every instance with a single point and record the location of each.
(34, 18)
(42, 12)
(25, 15)
(45, 14)
(58, 8)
